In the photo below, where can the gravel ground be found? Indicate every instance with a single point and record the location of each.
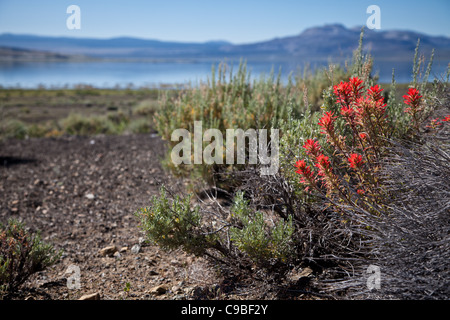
(81, 193)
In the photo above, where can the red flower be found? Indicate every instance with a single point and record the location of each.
(312, 147)
(343, 92)
(356, 87)
(446, 119)
(360, 192)
(305, 171)
(327, 122)
(363, 136)
(346, 92)
(355, 160)
(323, 164)
(348, 113)
(412, 98)
(375, 93)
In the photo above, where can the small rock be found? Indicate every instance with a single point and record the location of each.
(90, 196)
(135, 249)
(108, 251)
(123, 249)
(159, 290)
(117, 255)
(93, 296)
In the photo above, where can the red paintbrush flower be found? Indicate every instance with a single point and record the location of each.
(356, 87)
(323, 164)
(412, 98)
(305, 171)
(312, 147)
(355, 160)
(327, 123)
(348, 113)
(343, 92)
(375, 93)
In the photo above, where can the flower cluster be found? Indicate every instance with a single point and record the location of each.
(355, 160)
(415, 109)
(356, 131)
(435, 123)
(355, 149)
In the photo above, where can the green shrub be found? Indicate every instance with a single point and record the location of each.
(13, 129)
(173, 224)
(141, 125)
(145, 108)
(21, 255)
(247, 237)
(225, 102)
(76, 124)
(256, 238)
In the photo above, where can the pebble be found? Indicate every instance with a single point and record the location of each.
(159, 290)
(108, 251)
(90, 196)
(92, 296)
(135, 249)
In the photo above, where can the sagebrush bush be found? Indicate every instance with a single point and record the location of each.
(245, 237)
(173, 224)
(227, 101)
(13, 129)
(77, 124)
(254, 237)
(22, 254)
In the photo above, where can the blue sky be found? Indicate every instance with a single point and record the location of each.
(202, 20)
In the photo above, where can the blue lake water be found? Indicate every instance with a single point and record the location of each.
(145, 74)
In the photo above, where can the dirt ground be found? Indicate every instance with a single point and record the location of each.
(81, 193)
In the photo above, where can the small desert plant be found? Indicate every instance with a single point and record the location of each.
(145, 107)
(13, 129)
(173, 224)
(21, 255)
(245, 237)
(77, 124)
(255, 237)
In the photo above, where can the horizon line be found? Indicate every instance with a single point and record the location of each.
(219, 40)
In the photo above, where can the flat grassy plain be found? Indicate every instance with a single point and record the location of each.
(83, 111)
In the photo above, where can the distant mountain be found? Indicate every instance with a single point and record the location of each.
(337, 42)
(122, 47)
(8, 54)
(319, 43)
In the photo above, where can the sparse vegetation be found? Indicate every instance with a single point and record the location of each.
(85, 110)
(21, 255)
(361, 180)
